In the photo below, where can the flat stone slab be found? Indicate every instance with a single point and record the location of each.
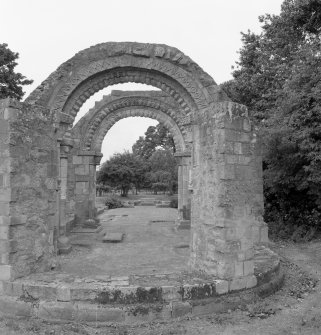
(65, 251)
(113, 237)
(80, 230)
(163, 205)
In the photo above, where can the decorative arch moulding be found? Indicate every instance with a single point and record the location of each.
(105, 64)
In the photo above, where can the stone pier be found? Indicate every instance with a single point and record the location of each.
(228, 195)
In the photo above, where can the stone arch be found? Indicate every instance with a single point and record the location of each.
(227, 200)
(106, 64)
(93, 127)
(97, 140)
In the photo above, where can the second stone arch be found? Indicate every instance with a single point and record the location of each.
(89, 132)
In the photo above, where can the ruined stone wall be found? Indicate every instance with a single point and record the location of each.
(28, 189)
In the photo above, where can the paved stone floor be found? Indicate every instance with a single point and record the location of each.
(150, 245)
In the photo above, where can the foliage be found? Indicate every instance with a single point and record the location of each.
(174, 203)
(279, 77)
(101, 189)
(121, 171)
(163, 171)
(10, 82)
(155, 138)
(112, 201)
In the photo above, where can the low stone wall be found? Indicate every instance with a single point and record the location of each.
(137, 297)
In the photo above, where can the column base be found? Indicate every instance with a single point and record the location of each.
(91, 223)
(64, 245)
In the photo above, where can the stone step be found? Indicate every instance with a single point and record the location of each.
(81, 230)
(113, 237)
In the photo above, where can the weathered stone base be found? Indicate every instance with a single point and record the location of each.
(91, 223)
(183, 224)
(128, 299)
(64, 245)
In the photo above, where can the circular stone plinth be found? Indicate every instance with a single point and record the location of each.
(62, 297)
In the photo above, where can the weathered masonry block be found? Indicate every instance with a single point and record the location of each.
(28, 189)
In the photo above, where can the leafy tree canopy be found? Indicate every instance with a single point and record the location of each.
(121, 171)
(155, 137)
(10, 82)
(163, 171)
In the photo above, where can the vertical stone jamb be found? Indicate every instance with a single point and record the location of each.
(184, 196)
(65, 147)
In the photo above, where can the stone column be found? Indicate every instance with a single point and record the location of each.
(227, 204)
(63, 244)
(65, 147)
(184, 196)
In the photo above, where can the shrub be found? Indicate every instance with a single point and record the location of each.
(112, 201)
(296, 224)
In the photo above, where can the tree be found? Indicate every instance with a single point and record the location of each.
(10, 82)
(155, 137)
(163, 171)
(267, 59)
(278, 77)
(121, 171)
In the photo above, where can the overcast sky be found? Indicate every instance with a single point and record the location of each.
(47, 33)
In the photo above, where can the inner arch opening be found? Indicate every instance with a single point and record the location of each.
(123, 134)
